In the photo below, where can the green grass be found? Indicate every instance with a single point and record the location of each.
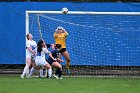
(14, 84)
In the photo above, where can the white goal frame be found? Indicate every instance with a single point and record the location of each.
(74, 12)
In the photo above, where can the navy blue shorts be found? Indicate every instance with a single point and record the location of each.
(50, 61)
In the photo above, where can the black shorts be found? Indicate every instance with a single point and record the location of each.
(63, 50)
(49, 61)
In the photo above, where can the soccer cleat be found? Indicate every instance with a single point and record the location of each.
(40, 76)
(49, 77)
(21, 76)
(55, 76)
(60, 78)
(29, 76)
(68, 71)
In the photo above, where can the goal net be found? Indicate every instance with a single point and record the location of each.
(99, 43)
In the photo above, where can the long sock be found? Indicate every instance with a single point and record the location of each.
(56, 73)
(41, 73)
(59, 72)
(25, 70)
(49, 72)
(32, 71)
(67, 64)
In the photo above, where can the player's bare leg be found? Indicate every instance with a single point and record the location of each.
(26, 68)
(67, 57)
(49, 69)
(58, 70)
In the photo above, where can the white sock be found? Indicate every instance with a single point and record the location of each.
(32, 71)
(41, 73)
(49, 72)
(25, 70)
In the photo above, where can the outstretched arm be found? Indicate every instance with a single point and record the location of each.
(59, 60)
(52, 57)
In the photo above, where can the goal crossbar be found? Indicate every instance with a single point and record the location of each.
(86, 12)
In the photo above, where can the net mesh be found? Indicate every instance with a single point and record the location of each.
(97, 44)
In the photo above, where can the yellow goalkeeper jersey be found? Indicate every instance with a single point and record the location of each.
(61, 38)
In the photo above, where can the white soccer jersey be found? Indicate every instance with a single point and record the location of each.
(33, 45)
(40, 58)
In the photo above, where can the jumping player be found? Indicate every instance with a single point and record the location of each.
(60, 36)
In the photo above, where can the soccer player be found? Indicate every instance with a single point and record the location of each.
(30, 53)
(54, 62)
(60, 36)
(43, 71)
(40, 58)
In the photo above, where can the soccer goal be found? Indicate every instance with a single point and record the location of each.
(99, 43)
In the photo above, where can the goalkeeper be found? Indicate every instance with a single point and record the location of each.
(60, 36)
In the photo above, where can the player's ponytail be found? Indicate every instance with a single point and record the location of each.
(39, 46)
(27, 36)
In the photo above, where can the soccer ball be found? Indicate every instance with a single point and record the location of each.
(65, 10)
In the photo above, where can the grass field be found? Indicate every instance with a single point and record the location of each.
(14, 84)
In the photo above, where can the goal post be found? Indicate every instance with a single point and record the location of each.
(99, 43)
